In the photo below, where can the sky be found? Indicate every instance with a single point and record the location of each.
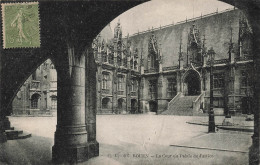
(165, 12)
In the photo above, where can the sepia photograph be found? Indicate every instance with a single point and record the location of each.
(130, 82)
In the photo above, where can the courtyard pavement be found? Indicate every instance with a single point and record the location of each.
(134, 140)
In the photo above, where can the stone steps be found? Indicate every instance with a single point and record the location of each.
(16, 134)
(181, 107)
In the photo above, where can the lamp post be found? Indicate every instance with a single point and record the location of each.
(211, 129)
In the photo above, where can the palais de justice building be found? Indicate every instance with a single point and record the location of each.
(38, 94)
(166, 70)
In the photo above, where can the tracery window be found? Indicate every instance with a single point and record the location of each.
(105, 80)
(218, 102)
(171, 90)
(133, 85)
(120, 83)
(34, 101)
(218, 80)
(54, 102)
(153, 88)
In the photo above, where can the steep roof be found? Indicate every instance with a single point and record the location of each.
(215, 27)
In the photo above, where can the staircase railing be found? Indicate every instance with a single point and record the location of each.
(196, 103)
(174, 99)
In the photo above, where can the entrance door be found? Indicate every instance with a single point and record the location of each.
(153, 106)
(134, 106)
(192, 84)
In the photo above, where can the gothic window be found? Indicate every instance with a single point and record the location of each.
(153, 88)
(171, 90)
(53, 75)
(54, 102)
(133, 85)
(34, 101)
(111, 58)
(218, 80)
(120, 83)
(245, 36)
(218, 102)
(105, 80)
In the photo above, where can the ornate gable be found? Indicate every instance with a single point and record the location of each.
(152, 46)
(194, 37)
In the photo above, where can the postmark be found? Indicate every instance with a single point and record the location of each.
(21, 25)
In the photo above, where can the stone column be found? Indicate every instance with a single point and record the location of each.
(254, 19)
(3, 118)
(2, 126)
(70, 143)
(91, 105)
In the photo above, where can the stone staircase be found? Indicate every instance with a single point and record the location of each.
(12, 134)
(182, 106)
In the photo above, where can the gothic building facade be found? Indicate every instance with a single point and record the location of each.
(167, 70)
(118, 73)
(38, 95)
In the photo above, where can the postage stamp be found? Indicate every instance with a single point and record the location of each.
(21, 25)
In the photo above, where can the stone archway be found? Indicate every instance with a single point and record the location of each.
(191, 83)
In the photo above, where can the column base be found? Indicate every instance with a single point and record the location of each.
(75, 154)
(93, 149)
(254, 152)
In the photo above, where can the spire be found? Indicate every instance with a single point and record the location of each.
(118, 30)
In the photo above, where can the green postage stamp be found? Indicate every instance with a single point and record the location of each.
(21, 25)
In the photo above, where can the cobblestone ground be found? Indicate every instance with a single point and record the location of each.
(134, 139)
